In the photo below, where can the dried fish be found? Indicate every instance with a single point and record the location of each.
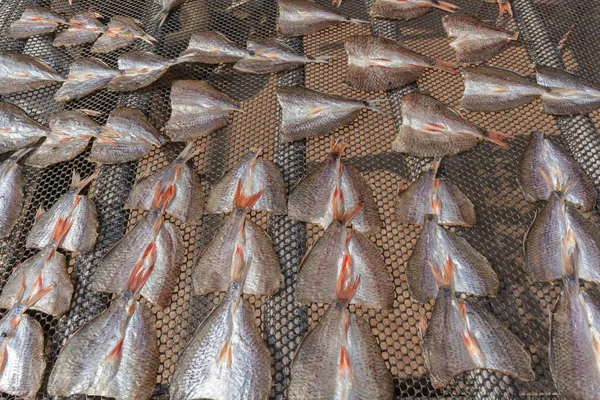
(121, 32)
(567, 94)
(264, 276)
(71, 132)
(127, 136)
(497, 89)
(307, 113)
(337, 250)
(303, 17)
(545, 167)
(166, 7)
(310, 200)
(381, 64)
(188, 201)
(226, 357)
(256, 174)
(81, 210)
(197, 110)
(408, 9)
(339, 358)
(21, 73)
(17, 130)
(432, 129)
(83, 28)
(474, 40)
(463, 336)
(213, 48)
(86, 75)
(35, 21)
(11, 192)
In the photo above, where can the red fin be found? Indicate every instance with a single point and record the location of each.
(446, 66)
(166, 197)
(345, 365)
(139, 275)
(498, 138)
(470, 342)
(449, 7)
(401, 188)
(338, 146)
(156, 196)
(81, 184)
(61, 228)
(497, 89)
(505, 8)
(349, 237)
(337, 204)
(3, 359)
(226, 354)
(243, 202)
(116, 353)
(444, 276)
(433, 128)
(14, 324)
(569, 254)
(76, 201)
(37, 292)
(240, 266)
(346, 287)
(40, 211)
(422, 327)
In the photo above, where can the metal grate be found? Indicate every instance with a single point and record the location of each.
(486, 175)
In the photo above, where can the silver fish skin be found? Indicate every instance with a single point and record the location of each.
(86, 76)
(543, 157)
(543, 241)
(462, 336)
(381, 64)
(340, 359)
(81, 210)
(497, 89)
(310, 200)
(197, 110)
(303, 17)
(166, 7)
(120, 32)
(21, 73)
(256, 174)
(35, 21)
(71, 132)
(475, 41)
(307, 113)
(472, 272)
(11, 192)
(188, 202)
(127, 136)
(412, 204)
(138, 70)
(272, 55)
(409, 9)
(83, 28)
(432, 129)
(113, 355)
(339, 249)
(18, 131)
(567, 93)
(226, 358)
(213, 48)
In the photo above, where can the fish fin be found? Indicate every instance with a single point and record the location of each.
(346, 287)
(37, 292)
(226, 354)
(190, 151)
(505, 8)
(61, 228)
(470, 343)
(422, 326)
(79, 183)
(160, 17)
(336, 3)
(447, 66)
(433, 128)
(17, 155)
(358, 21)
(444, 5)
(115, 354)
(141, 272)
(240, 267)
(444, 276)
(243, 202)
(322, 59)
(338, 146)
(569, 254)
(498, 138)
(91, 113)
(3, 358)
(345, 366)
(371, 105)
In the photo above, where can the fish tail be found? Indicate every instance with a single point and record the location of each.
(142, 270)
(322, 59)
(569, 255)
(183, 59)
(443, 276)
(79, 183)
(346, 286)
(61, 228)
(336, 3)
(148, 39)
(337, 205)
(37, 292)
(358, 21)
(371, 105)
(243, 202)
(160, 17)
(447, 66)
(338, 146)
(504, 8)
(190, 151)
(240, 267)
(17, 155)
(446, 6)
(498, 138)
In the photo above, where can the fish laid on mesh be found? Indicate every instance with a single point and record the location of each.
(86, 76)
(567, 93)
(83, 28)
(11, 192)
(120, 32)
(213, 48)
(21, 73)
(408, 9)
(17, 129)
(35, 21)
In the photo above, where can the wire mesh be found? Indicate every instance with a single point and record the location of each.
(553, 33)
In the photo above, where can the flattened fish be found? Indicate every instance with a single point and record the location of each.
(272, 55)
(86, 75)
(414, 203)
(21, 73)
(574, 329)
(408, 9)
(545, 167)
(166, 7)
(256, 174)
(497, 89)
(504, 7)
(22, 346)
(50, 267)
(127, 136)
(567, 94)
(188, 201)
(213, 48)
(474, 40)
(472, 272)
(140, 69)
(121, 32)
(197, 110)
(432, 129)
(264, 275)
(116, 353)
(303, 17)
(71, 132)
(307, 113)
(17, 130)
(83, 28)
(338, 250)
(310, 200)
(381, 64)
(11, 192)
(35, 21)
(81, 210)
(340, 358)
(463, 336)
(226, 358)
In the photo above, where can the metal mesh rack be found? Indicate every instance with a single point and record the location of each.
(486, 175)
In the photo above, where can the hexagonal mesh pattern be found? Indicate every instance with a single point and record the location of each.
(486, 175)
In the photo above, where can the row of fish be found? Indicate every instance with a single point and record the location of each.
(82, 28)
